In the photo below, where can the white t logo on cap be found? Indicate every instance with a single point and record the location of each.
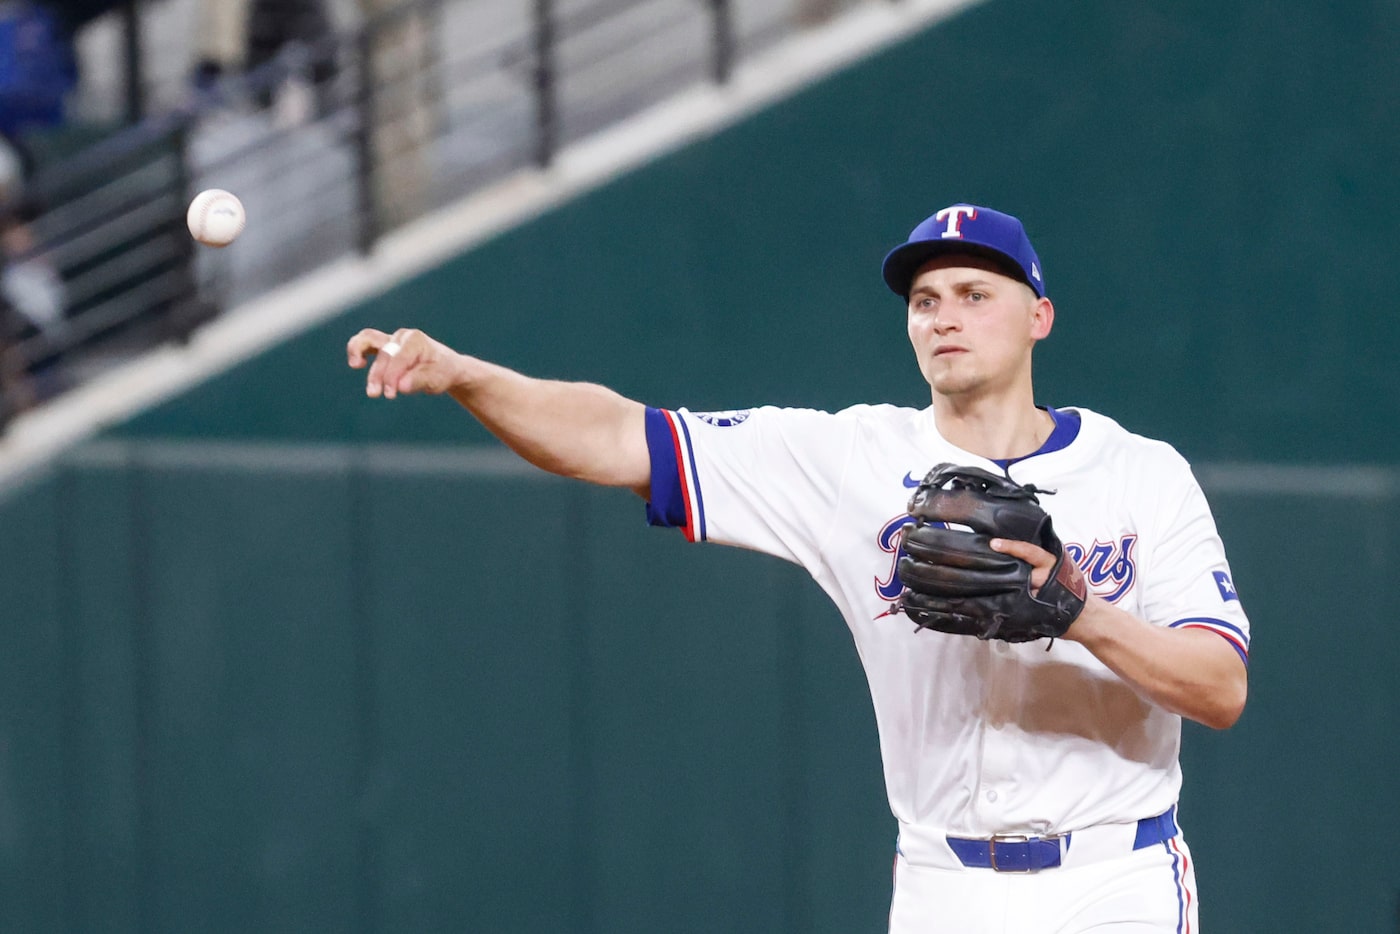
(955, 216)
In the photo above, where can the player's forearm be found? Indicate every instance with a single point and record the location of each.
(578, 430)
(1190, 672)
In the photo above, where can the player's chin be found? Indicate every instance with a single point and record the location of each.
(949, 381)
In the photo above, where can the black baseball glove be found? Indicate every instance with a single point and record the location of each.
(954, 582)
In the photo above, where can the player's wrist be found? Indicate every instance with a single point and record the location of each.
(1093, 624)
(465, 373)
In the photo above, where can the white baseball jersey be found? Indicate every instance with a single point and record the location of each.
(977, 738)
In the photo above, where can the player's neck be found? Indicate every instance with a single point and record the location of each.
(996, 429)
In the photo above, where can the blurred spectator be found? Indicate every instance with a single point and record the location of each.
(37, 67)
(32, 302)
(245, 35)
(273, 24)
(12, 172)
(16, 388)
(222, 40)
(28, 279)
(31, 292)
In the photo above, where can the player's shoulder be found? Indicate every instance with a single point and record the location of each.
(882, 414)
(883, 420)
(879, 412)
(1101, 430)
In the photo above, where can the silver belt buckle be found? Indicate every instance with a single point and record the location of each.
(1013, 838)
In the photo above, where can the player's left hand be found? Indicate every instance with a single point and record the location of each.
(957, 582)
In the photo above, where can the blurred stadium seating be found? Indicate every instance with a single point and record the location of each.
(335, 142)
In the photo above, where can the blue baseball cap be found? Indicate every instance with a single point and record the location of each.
(965, 228)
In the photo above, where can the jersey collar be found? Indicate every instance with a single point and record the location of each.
(1065, 431)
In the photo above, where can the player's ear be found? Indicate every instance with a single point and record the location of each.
(1042, 318)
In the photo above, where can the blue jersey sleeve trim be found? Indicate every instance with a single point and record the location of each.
(667, 505)
(1214, 622)
(1227, 631)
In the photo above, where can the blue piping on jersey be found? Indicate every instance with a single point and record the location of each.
(1177, 878)
(1061, 436)
(1214, 622)
(694, 483)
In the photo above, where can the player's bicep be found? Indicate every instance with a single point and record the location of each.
(1221, 670)
(632, 467)
(1231, 640)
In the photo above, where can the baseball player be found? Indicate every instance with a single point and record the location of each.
(1063, 600)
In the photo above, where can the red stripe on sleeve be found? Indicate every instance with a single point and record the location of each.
(1239, 646)
(689, 527)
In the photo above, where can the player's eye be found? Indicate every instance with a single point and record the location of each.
(976, 296)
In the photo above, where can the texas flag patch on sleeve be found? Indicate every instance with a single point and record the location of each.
(1226, 586)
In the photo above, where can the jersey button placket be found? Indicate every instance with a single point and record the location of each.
(998, 765)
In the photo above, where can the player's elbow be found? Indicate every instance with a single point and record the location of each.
(1227, 703)
(1223, 718)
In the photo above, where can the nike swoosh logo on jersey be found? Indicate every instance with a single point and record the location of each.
(909, 480)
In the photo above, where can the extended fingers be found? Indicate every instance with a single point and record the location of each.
(396, 359)
(385, 349)
(363, 344)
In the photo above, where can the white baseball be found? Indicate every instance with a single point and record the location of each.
(216, 217)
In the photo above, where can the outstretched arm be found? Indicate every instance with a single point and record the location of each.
(578, 430)
(1190, 672)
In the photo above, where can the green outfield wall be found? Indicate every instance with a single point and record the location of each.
(281, 658)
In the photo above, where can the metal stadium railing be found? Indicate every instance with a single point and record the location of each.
(332, 145)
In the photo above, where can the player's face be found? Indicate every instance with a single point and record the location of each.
(973, 327)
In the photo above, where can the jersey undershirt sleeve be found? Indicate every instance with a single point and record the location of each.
(1190, 585)
(768, 478)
